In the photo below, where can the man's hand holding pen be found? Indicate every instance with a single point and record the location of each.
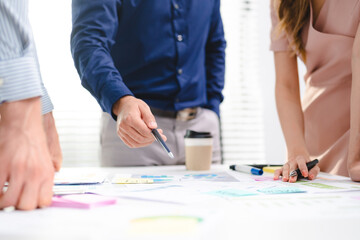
(134, 122)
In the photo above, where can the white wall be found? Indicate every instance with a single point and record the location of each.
(77, 113)
(275, 149)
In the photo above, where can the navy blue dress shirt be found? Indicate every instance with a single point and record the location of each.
(169, 53)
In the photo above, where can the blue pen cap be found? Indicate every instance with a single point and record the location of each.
(256, 171)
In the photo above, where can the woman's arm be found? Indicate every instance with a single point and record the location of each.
(354, 145)
(290, 113)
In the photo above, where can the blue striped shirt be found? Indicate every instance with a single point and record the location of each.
(19, 68)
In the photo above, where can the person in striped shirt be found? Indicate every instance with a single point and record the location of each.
(29, 144)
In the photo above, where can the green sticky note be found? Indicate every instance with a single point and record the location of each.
(321, 185)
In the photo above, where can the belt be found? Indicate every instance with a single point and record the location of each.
(185, 114)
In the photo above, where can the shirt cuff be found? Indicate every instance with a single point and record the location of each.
(46, 104)
(19, 79)
(111, 93)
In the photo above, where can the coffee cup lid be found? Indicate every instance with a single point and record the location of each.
(194, 134)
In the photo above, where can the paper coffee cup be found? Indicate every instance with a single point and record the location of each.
(198, 150)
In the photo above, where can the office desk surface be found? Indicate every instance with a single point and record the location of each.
(195, 206)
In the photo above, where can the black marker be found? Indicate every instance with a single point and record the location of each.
(159, 139)
(309, 166)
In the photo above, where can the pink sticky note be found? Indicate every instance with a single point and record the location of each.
(82, 201)
(264, 178)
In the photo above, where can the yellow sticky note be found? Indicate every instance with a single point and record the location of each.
(270, 169)
(132, 180)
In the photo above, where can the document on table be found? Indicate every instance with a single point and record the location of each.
(79, 178)
(175, 178)
(184, 189)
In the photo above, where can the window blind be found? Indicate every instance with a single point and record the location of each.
(241, 112)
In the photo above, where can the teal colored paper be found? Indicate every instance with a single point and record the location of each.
(231, 193)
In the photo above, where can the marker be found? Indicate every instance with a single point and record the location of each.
(159, 139)
(246, 169)
(309, 166)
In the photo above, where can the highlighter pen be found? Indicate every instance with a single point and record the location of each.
(159, 139)
(309, 166)
(247, 169)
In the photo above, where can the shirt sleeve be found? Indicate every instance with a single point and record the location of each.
(215, 61)
(94, 28)
(19, 69)
(279, 41)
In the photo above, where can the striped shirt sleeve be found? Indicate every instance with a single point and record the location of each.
(19, 69)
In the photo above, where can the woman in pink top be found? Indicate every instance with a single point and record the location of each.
(325, 125)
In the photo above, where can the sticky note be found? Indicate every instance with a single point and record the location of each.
(270, 169)
(281, 190)
(69, 189)
(155, 176)
(231, 193)
(68, 178)
(158, 178)
(263, 178)
(132, 180)
(85, 201)
(321, 185)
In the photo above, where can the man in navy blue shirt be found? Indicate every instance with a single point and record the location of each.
(151, 63)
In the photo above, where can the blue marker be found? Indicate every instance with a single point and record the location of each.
(159, 139)
(247, 169)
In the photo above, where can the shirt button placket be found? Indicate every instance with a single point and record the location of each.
(180, 37)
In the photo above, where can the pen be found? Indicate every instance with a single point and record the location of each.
(246, 169)
(264, 165)
(309, 166)
(159, 139)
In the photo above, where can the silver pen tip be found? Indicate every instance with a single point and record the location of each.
(171, 155)
(293, 174)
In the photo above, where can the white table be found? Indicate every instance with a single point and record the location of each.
(285, 216)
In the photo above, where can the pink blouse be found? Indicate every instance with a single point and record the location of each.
(326, 101)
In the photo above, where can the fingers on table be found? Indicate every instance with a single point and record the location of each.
(301, 162)
(13, 192)
(286, 171)
(29, 196)
(277, 173)
(45, 193)
(314, 172)
(27, 191)
(3, 178)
